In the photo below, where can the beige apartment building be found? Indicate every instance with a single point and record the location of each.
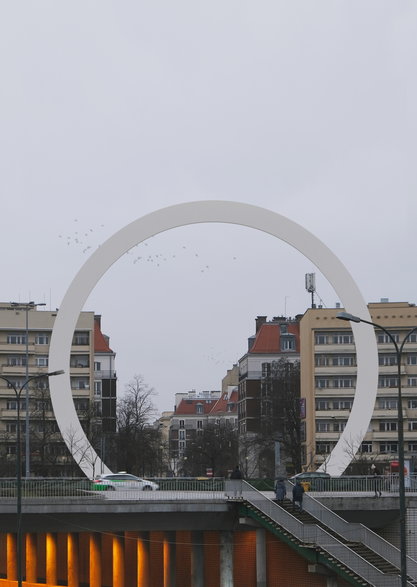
(25, 335)
(328, 381)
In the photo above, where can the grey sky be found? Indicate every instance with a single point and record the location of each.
(112, 110)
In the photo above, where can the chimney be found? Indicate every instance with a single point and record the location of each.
(259, 321)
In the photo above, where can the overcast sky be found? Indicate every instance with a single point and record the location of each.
(111, 110)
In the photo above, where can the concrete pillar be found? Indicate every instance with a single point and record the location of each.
(73, 564)
(197, 559)
(143, 560)
(51, 559)
(226, 559)
(118, 561)
(169, 559)
(31, 558)
(260, 557)
(11, 547)
(95, 560)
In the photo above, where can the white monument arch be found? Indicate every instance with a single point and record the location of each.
(219, 212)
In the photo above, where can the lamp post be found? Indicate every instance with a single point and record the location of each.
(400, 422)
(18, 394)
(26, 307)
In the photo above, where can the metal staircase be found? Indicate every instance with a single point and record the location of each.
(351, 550)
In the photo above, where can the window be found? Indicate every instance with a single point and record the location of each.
(17, 361)
(11, 427)
(322, 405)
(80, 383)
(388, 447)
(321, 360)
(339, 425)
(97, 366)
(387, 426)
(181, 434)
(322, 426)
(343, 404)
(323, 448)
(412, 404)
(343, 339)
(411, 359)
(181, 444)
(16, 339)
(412, 338)
(343, 361)
(412, 381)
(322, 382)
(81, 405)
(42, 361)
(97, 388)
(18, 383)
(387, 360)
(412, 446)
(383, 338)
(80, 338)
(11, 404)
(412, 425)
(322, 339)
(366, 447)
(11, 450)
(287, 342)
(342, 382)
(199, 424)
(182, 424)
(199, 408)
(43, 405)
(80, 361)
(388, 381)
(387, 404)
(42, 339)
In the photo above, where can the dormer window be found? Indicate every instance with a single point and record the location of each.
(287, 342)
(199, 408)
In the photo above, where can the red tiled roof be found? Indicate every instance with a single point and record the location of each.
(101, 344)
(221, 404)
(268, 338)
(188, 406)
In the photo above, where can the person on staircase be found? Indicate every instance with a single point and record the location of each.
(297, 496)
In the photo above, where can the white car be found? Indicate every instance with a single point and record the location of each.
(123, 482)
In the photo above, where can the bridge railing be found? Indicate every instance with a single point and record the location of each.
(363, 483)
(356, 532)
(82, 488)
(313, 534)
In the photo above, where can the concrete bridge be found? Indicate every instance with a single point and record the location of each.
(202, 539)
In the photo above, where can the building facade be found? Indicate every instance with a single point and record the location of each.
(328, 381)
(265, 376)
(25, 334)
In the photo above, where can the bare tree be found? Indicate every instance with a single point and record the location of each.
(216, 448)
(138, 441)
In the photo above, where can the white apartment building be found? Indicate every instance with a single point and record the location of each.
(328, 381)
(25, 334)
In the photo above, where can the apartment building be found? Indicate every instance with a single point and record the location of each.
(263, 394)
(328, 381)
(25, 334)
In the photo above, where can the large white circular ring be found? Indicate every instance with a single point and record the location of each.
(202, 212)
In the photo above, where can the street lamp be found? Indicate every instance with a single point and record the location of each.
(400, 419)
(18, 394)
(26, 307)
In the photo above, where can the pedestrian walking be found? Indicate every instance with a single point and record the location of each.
(236, 479)
(377, 480)
(280, 490)
(297, 496)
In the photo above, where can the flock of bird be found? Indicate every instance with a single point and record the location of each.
(82, 239)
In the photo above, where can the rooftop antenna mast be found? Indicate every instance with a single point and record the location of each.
(311, 286)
